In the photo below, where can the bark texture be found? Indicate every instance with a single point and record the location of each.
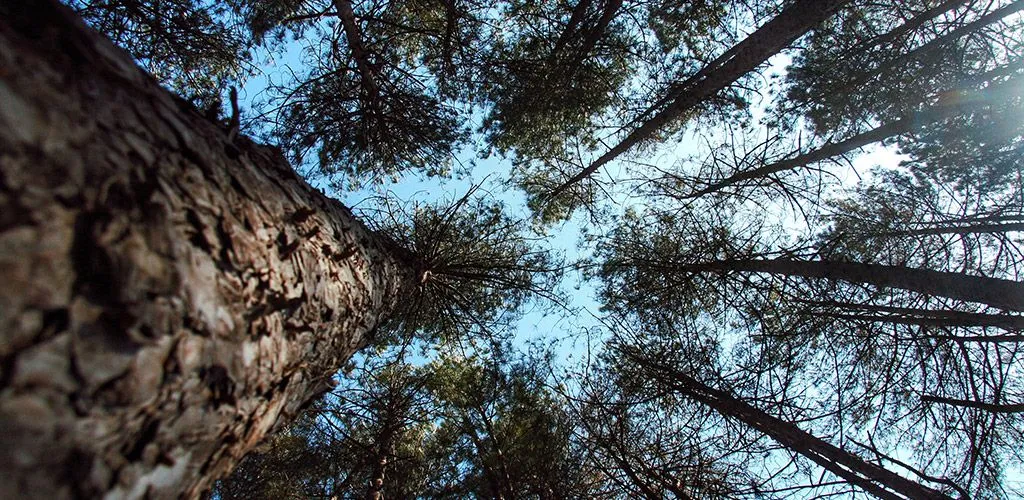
(169, 298)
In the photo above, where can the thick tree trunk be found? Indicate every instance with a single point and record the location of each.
(164, 306)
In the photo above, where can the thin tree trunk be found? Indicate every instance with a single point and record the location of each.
(164, 306)
(575, 18)
(996, 292)
(935, 317)
(608, 13)
(359, 53)
(766, 41)
(989, 407)
(912, 122)
(926, 48)
(496, 448)
(825, 152)
(905, 28)
(922, 317)
(955, 229)
(926, 321)
(384, 449)
(482, 452)
(872, 478)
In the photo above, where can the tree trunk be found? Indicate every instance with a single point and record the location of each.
(904, 29)
(989, 407)
(359, 54)
(608, 12)
(165, 306)
(799, 18)
(569, 32)
(383, 451)
(872, 478)
(974, 101)
(917, 316)
(939, 229)
(996, 292)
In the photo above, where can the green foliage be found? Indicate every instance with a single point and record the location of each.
(270, 20)
(400, 87)
(477, 265)
(292, 464)
(194, 47)
(355, 139)
(547, 78)
(868, 64)
(980, 151)
(456, 427)
(504, 433)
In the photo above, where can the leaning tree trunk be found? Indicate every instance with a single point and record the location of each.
(996, 292)
(797, 19)
(168, 299)
(870, 477)
(914, 121)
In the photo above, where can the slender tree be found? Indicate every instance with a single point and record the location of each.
(661, 257)
(951, 103)
(793, 22)
(852, 468)
(871, 355)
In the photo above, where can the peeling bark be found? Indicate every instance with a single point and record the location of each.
(166, 304)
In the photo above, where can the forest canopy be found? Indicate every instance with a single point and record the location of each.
(668, 248)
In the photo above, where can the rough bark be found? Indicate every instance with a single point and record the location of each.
(746, 56)
(166, 304)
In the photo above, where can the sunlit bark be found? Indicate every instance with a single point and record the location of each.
(164, 306)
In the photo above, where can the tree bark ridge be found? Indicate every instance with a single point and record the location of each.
(166, 306)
